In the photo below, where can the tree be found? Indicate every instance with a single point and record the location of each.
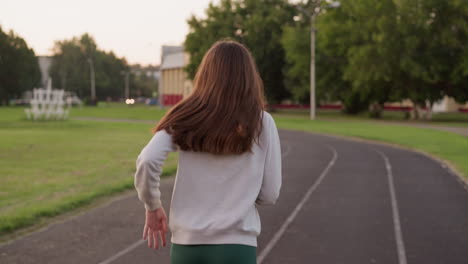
(434, 34)
(109, 80)
(144, 83)
(296, 43)
(19, 68)
(71, 66)
(372, 67)
(257, 24)
(333, 41)
(370, 52)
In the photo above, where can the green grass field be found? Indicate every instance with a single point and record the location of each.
(442, 119)
(119, 111)
(447, 146)
(48, 168)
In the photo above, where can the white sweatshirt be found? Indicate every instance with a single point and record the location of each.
(215, 197)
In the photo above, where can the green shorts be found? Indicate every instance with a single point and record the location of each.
(213, 254)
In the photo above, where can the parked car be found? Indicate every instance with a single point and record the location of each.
(151, 101)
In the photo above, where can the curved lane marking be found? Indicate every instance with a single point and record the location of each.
(271, 244)
(396, 216)
(123, 252)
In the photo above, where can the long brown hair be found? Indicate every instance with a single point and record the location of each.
(223, 114)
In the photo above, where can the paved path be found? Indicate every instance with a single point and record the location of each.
(107, 119)
(341, 202)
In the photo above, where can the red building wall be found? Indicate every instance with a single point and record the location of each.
(171, 99)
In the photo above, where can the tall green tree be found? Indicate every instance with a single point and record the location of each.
(256, 23)
(370, 52)
(296, 43)
(333, 40)
(372, 67)
(110, 81)
(434, 34)
(144, 83)
(70, 68)
(19, 68)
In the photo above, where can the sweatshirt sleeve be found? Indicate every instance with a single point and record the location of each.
(149, 168)
(271, 183)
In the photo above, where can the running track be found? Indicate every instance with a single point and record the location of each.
(342, 201)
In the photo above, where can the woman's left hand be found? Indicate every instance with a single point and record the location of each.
(156, 225)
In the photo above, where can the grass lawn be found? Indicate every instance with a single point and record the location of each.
(119, 111)
(443, 119)
(47, 168)
(445, 145)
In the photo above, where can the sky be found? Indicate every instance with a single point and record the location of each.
(133, 29)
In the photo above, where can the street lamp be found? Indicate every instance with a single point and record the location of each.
(127, 84)
(312, 15)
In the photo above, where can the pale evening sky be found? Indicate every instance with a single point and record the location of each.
(133, 29)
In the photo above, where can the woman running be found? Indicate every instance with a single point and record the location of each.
(229, 163)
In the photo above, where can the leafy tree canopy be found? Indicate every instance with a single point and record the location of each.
(256, 23)
(71, 67)
(19, 69)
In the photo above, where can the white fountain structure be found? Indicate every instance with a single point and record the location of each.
(48, 104)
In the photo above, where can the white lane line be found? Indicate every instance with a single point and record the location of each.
(123, 252)
(271, 244)
(396, 216)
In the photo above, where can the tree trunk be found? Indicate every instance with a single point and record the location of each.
(63, 81)
(414, 112)
(429, 105)
(420, 112)
(375, 110)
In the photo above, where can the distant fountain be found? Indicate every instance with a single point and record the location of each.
(47, 104)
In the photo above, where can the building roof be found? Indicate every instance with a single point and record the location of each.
(174, 60)
(166, 50)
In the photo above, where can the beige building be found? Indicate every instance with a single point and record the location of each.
(446, 104)
(173, 82)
